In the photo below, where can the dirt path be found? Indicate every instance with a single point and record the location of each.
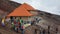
(3, 30)
(6, 30)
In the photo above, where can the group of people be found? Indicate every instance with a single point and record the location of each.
(17, 24)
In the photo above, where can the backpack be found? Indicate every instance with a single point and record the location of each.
(23, 27)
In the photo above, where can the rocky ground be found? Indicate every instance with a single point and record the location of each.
(44, 23)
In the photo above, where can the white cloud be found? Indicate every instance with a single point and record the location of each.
(52, 6)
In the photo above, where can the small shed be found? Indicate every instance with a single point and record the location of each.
(20, 12)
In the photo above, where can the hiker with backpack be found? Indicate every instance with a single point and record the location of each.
(3, 22)
(22, 28)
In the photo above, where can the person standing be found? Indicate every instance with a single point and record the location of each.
(13, 25)
(3, 20)
(35, 31)
(11, 19)
(48, 29)
(43, 31)
(23, 29)
(16, 25)
(21, 22)
(56, 30)
(22, 26)
(40, 32)
(33, 22)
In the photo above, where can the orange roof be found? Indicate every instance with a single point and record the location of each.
(27, 6)
(20, 11)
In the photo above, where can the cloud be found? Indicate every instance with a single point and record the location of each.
(52, 6)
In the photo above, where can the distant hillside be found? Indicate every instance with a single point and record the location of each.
(50, 16)
(7, 6)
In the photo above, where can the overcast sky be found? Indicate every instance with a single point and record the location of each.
(52, 6)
